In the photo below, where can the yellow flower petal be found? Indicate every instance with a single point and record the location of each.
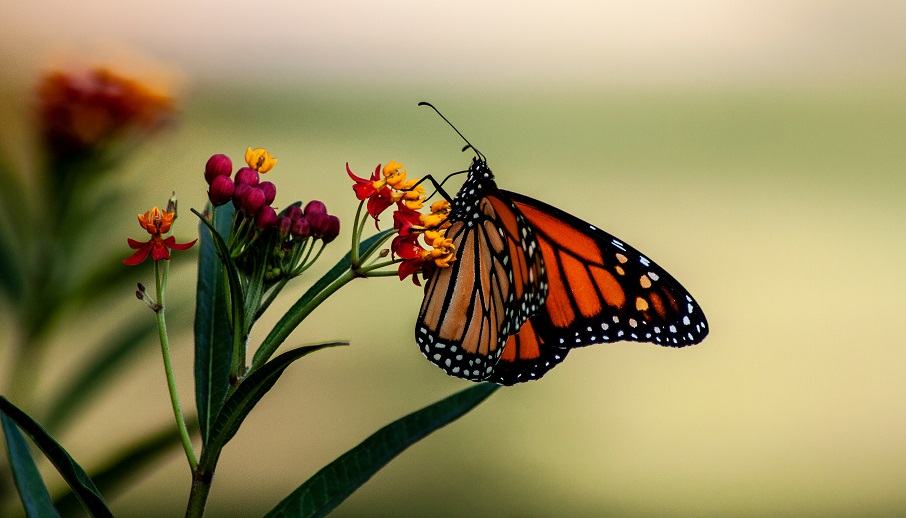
(259, 159)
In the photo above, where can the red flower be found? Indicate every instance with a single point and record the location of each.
(156, 222)
(375, 190)
(406, 246)
(405, 217)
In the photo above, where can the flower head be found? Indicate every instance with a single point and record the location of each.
(259, 160)
(156, 222)
(388, 185)
(82, 112)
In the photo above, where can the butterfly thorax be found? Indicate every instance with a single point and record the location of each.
(479, 183)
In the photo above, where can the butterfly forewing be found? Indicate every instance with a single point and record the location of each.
(603, 290)
(494, 286)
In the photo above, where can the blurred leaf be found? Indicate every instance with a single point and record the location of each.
(130, 464)
(307, 303)
(330, 486)
(32, 491)
(244, 399)
(12, 278)
(72, 473)
(119, 348)
(14, 220)
(213, 337)
(15, 216)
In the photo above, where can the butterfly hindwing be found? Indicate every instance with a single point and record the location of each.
(526, 357)
(603, 290)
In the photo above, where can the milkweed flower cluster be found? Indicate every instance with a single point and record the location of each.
(283, 243)
(388, 186)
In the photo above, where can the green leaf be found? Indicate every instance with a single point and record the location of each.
(308, 302)
(327, 489)
(122, 345)
(213, 336)
(32, 491)
(72, 473)
(244, 399)
(125, 467)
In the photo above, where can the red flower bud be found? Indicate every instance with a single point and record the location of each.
(332, 230)
(218, 165)
(324, 226)
(284, 224)
(315, 207)
(247, 175)
(252, 200)
(266, 218)
(239, 191)
(301, 228)
(294, 212)
(270, 192)
(221, 191)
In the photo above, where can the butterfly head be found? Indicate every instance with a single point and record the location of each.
(479, 169)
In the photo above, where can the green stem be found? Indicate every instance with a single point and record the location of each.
(357, 235)
(198, 498)
(161, 273)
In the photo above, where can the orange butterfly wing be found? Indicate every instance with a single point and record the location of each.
(496, 283)
(600, 290)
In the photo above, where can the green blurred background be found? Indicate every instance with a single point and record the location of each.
(754, 149)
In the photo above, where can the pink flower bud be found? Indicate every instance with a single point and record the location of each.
(315, 207)
(221, 191)
(252, 200)
(247, 175)
(218, 165)
(238, 193)
(270, 192)
(284, 224)
(332, 229)
(294, 212)
(301, 228)
(266, 218)
(324, 226)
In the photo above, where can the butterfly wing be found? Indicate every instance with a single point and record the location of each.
(603, 290)
(526, 356)
(494, 286)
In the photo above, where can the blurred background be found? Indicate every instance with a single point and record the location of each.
(754, 149)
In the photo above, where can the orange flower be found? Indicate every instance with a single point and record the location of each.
(156, 222)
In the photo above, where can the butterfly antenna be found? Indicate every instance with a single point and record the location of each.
(468, 144)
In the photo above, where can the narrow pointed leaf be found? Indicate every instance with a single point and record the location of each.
(246, 396)
(301, 309)
(32, 491)
(71, 472)
(329, 487)
(213, 335)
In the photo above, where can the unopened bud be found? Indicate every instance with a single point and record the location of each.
(218, 165)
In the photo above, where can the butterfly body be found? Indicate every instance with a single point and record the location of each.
(531, 282)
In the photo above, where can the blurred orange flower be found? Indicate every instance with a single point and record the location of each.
(82, 112)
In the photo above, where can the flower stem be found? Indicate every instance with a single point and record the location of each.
(161, 272)
(198, 497)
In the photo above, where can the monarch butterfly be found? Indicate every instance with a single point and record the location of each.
(532, 282)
